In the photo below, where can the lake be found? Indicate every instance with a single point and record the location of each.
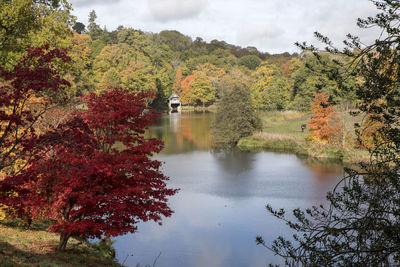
(220, 208)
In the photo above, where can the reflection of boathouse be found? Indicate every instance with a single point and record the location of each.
(174, 104)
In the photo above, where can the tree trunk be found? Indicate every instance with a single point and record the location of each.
(63, 242)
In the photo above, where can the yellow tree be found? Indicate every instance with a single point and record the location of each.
(80, 72)
(201, 89)
(123, 66)
(263, 77)
(271, 89)
(212, 72)
(138, 77)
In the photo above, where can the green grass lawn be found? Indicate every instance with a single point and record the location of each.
(286, 124)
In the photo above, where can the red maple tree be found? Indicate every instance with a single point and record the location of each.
(35, 76)
(323, 126)
(96, 178)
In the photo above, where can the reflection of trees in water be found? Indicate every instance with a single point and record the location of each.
(233, 175)
(184, 132)
(197, 130)
(323, 170)
(234, 161)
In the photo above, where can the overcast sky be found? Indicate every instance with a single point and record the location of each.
(270, 25)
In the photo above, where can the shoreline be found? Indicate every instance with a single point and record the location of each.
(281, 132)
(288, 145)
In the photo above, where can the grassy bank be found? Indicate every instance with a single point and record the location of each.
(35, 247)
(282, 133)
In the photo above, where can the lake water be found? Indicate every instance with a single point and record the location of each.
(220, 208)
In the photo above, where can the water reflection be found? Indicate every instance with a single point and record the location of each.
(184, 132)
(221, 206)
(234, 161)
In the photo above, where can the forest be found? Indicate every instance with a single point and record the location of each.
(198, 72)
(170, 62)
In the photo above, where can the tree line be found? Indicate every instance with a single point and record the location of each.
(167, 62)
(170, 62)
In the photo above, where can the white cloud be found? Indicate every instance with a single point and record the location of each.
(270, 25)
(251, 33)
(84, 3)
(167, 10)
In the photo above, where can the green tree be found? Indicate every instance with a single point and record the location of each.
(319, 74)
(276, 96)
(160, 101)
(96, 47)
(93, 28)
(109, 79)
(27, 23)
(165, 76)
(174, 39)
(250, 61)
(220, 58)
(79, 27)
(136, 39)
(235, 117)
(138, 77)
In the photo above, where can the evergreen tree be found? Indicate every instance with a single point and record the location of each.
(160, 101)
(235, 117)
(79, 27)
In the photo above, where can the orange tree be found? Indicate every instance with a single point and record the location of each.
(323, 128)
(186, 96)
(176, 87)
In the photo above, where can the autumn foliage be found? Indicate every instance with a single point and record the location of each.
(323, 126)
(34, 78)
(176, 87)
(96, 177)
(185, 86)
